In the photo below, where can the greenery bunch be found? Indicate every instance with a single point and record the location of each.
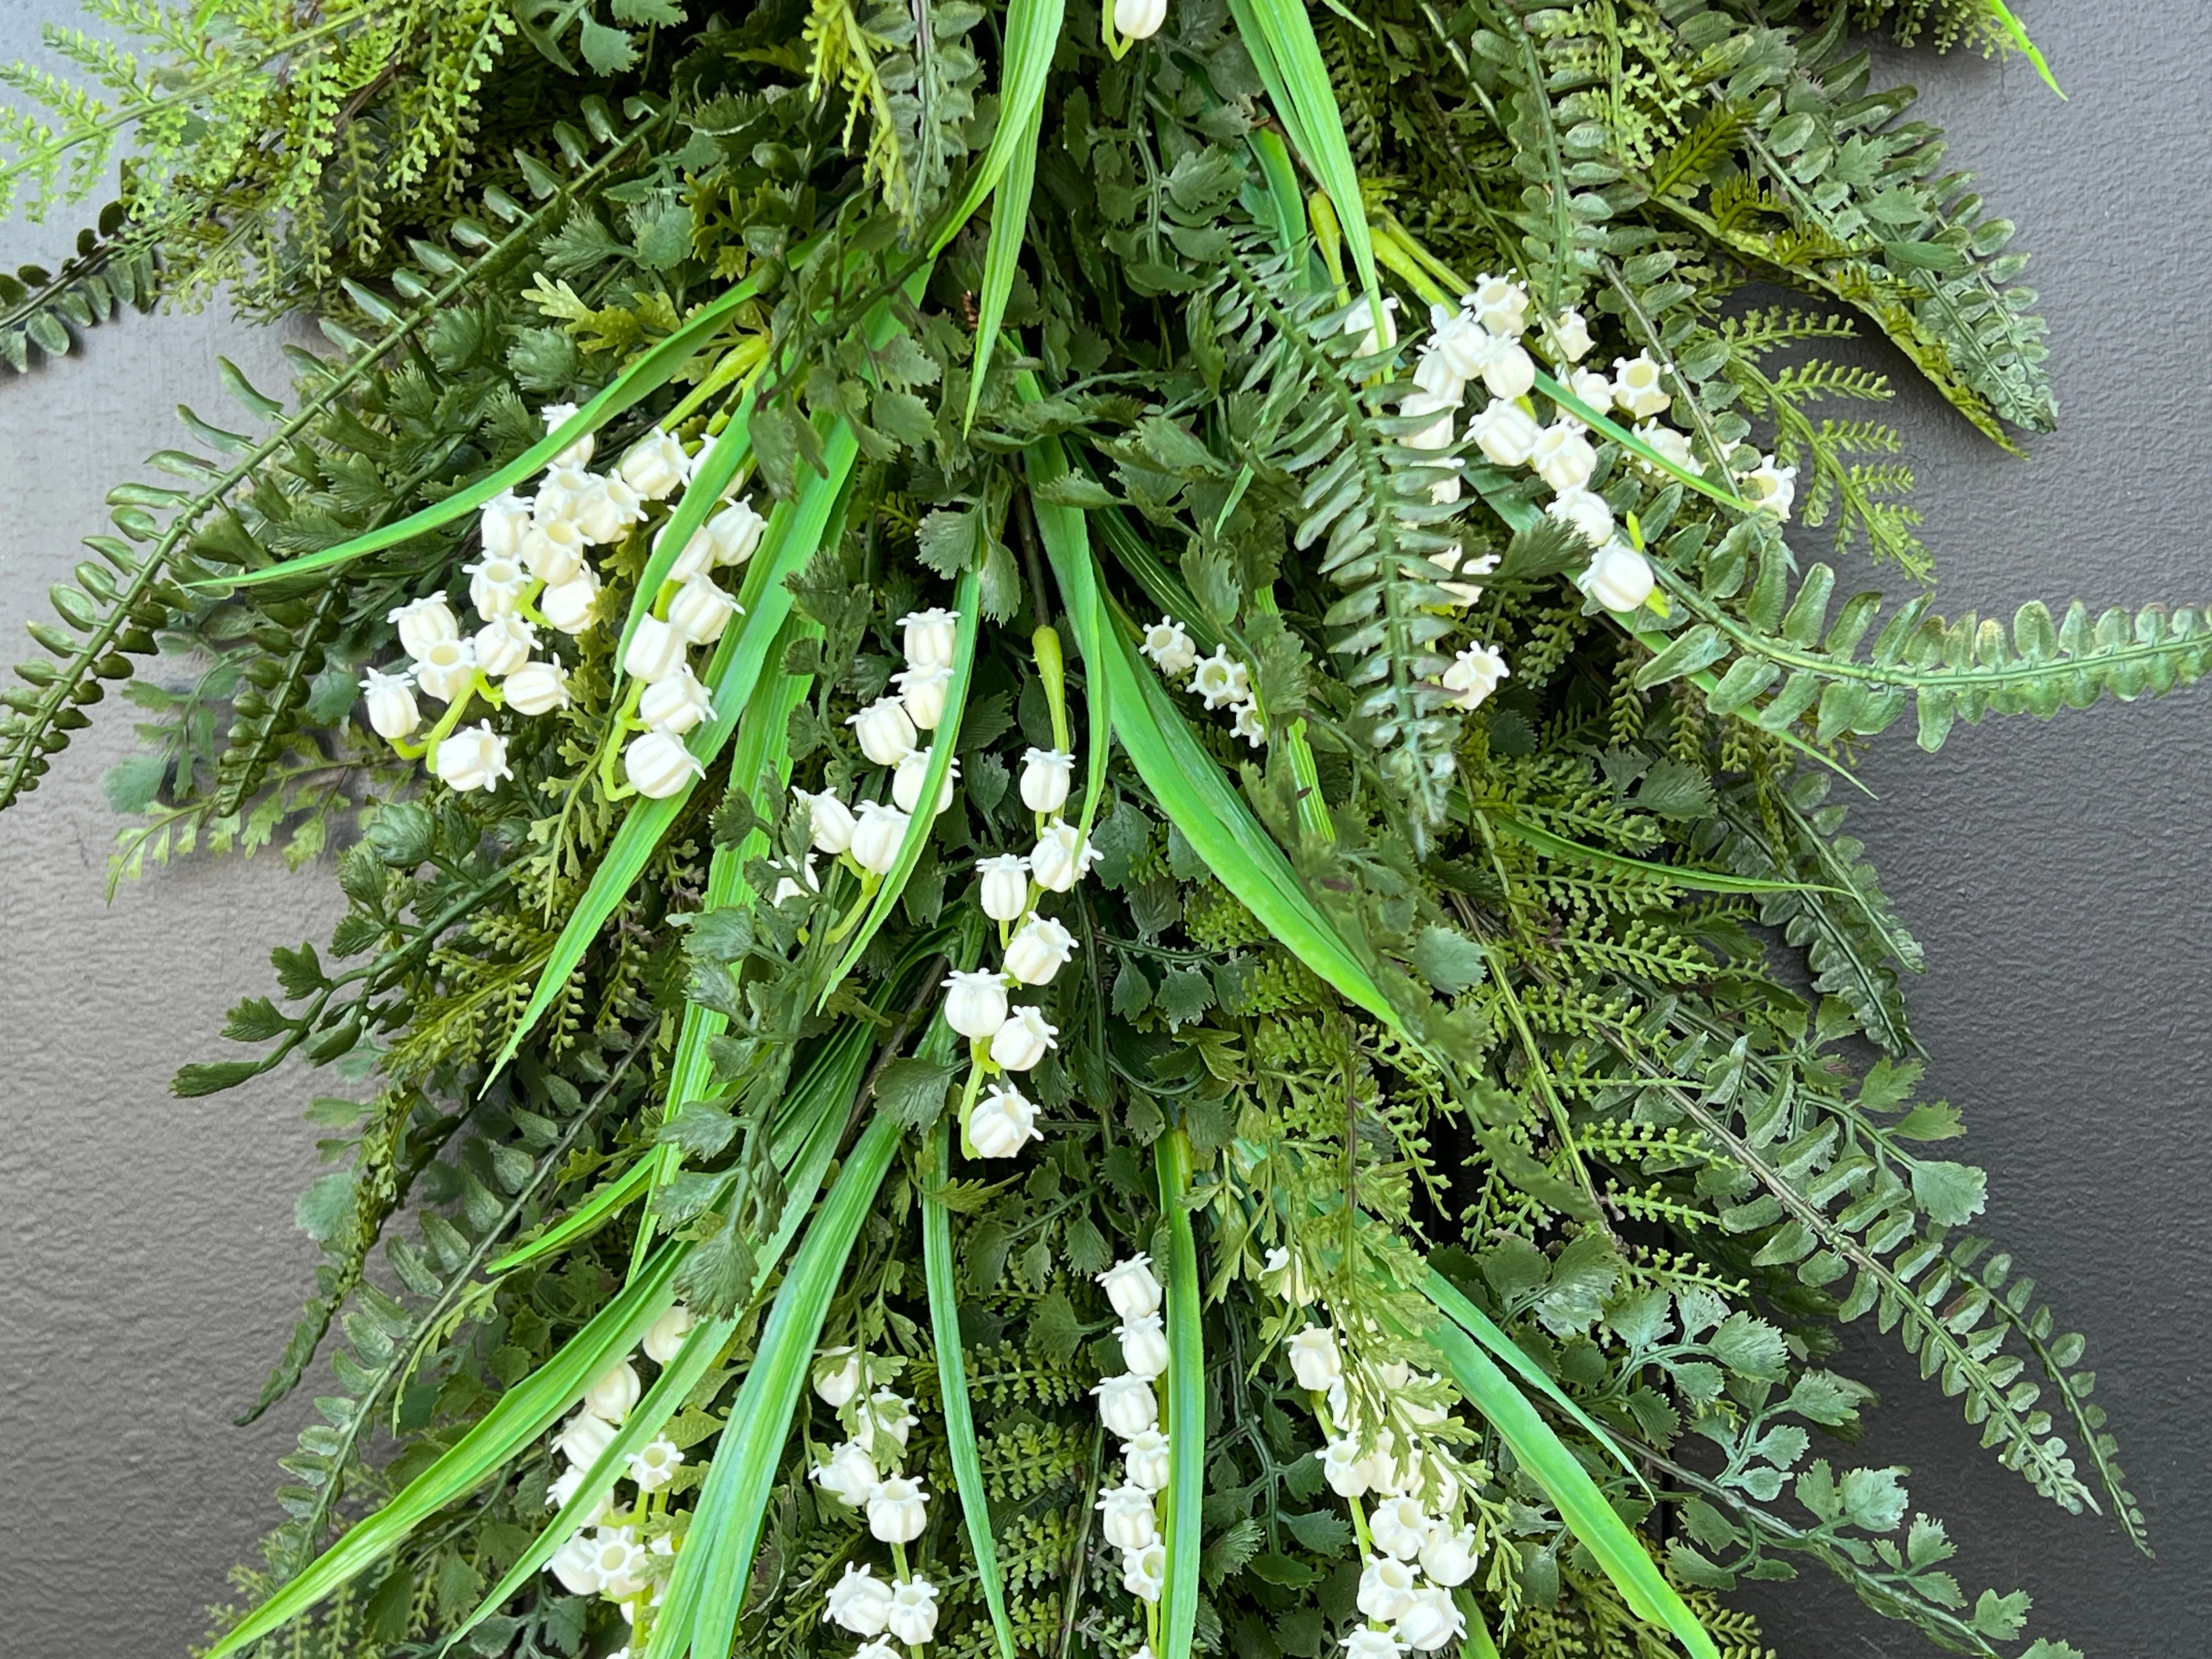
(1543, 1044)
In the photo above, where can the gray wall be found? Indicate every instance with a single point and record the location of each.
(151, 1269)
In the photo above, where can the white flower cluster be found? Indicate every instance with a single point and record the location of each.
(1129, 1406)
(623, 1552)
(1220, 681)
(534, 573)
(1415, 1555)
(863, 1473)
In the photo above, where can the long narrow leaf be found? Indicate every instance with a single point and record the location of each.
(1185, 1418)
(1555, 1467)
(714, 1570)
(795, 530)
(1032, 36)
(1700, 881)
(632, 385)
(521, 1414)
(952, 1385)
(1002, 254)
(1076, 577)
(585, 1219)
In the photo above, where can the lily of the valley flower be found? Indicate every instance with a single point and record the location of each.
(1448, 1558)
(1400, 1527)
(1505, 433)
(1473, 675)
(736, 529)
(423, 623)
(1248, 725)
(568, 605)
(1046, 775)
(392, 711)
(898, 1510)
(1568, 336)
(553, 552)
(474, 758)
(838, 1374)
(913, 1615)
(922, 693)
(584, 1437)
(1063, 857)
(503, 524)
(1386, 1588)
(1774, 488)
(1145, 1572)
(503, 645)
(1139, 20)
(1562, 456)
(577, 454)
(1500, 304)
(849, 1475)
(657, 765)
(876, 835)
(1143, 1346)
(1002, 1123)
(884, 730)
(654, 1465)
(1433, 1621)
(1132, 1286)
(663, 1338)
(1314, 1358)
(613, 1392)
(675, 704)
(496, 584)
(605, 508)
(913, 772)
(860, 1603)
(1039, 950)
(1024, 1039)
(1169, 646)
(829, 823)
(701, 610)
(1145, 1458)
(656, 467)
(975, 1002)
(1619, 578)
(1128, 1520)
(1220, 680)
(446, 668)
(1284, 1275)
(1127, 1405)
(656, 651)
(1006, 885)
(1635, 386)
(1669, 443)
(538, 688)
(929, 638)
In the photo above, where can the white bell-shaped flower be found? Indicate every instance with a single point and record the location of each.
(1434, 1621)
(446, 668)
(922, 692)
(885, 1422)
(1400, 1527)
(1006, 885)
(1002, 1122)
(538, 688)
(1368, 1642)
(423, 623)
(876, 835)
(614, 1392)
(555, 415)
(503, 645)
(657, 466)
(1562, 456)
(1619, 578)
(1145, 1572)
(474, 758)
(1500, 304)
(1671, 445)
(1456, 562)
(1145, 1457)
(1220, 680)
(1586, 511)
(1460, 343)
(1039, 949)
(1438, 372)
(554, 551)
(849, 1475)
(1448, 1558)
(583, 1438)
(1771, 487)
(838, 1375)
(1635, 386)
(604, 510)
(391, 698)
(663, 1338)
(884, 730)
(654, 1465)
(1386, 1588)
(1510, 373)
(621, 1561)
(1473, 675)
(675, 704)
(1128, 1520)
(1024, 1039)
(830, 823)
(1046, 776)
(911, 773)
(1438, 411)
(700, 609)
(696, 559)
(736, 529)
(860, 1603)
(1344, 1467)
(496, 585)
(913, 1616)
(1505, 433)
(1285, 1275)
(1315, 1360)
(569, 605)
(1143, 1346)
(574, 1565)
(502, 524)
(1248, 725)
(1132, 1286)
(1063, 857)
(898, 1510)
(928, 638)
(975, 1002)
(1567, 336)
(656, 651)
(657, 765)
(1139, 20)
(1127, 1405)
(1169, 646)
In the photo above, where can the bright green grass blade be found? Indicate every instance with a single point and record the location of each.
(609, 1201)
(1076, 577)
(702, 498)
(1002, 255)
(952, 1384)
(1284, 207)
(762, 750)
(2013, 28)
(968, 598)
(639, 382)
(1615, 1544)
(1185, 1418)
(1696, 880)
(1479, 1326)
(1161, 586)
(1032, 36)
(1281, 39)
(521, 1414)
(795, 530)
(714, 1569)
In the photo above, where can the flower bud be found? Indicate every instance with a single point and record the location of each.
(656, 651)
(657, 466)
(884, 730)
(1562, 456)
(701, 610)
(1439, 409)
(1510, 374)
(554, 552)
(929, 638)
(1006, 885)
(885, 1421)
(1139, 20)
(663, 1338)
(974, 1003)
(830, 825)
(573, 1565)
(1131, 1285)
(1448, 1558)
(877, 836)
(1145, 1572)
(913, 1611)
(1169, 646)
(538, 688)
(1143, 1346)
(568, 605)
(838, 1374)
(860, 1603)
(555, 415)
(897, 1509)
(1045, 774)
(1061, 857)
(922, 693)
(1129, 1522)
(657, 765)
(503, 525)
(392, 711)
(913, 772)
(1145, 1457)
(1386, 1589)
(1002, 1123)
(1021, 1041)
(613, 1392)
(503, 645)
(1039, 949)
(1568, 336)
(605, 509)
(1314, 1359)
(1127, 1405)
(1619, 578)
(737, 532)
(675, 704)
(423, 623)
(474, 758)
(849, 1475)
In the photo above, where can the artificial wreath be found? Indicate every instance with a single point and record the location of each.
(1092, 768)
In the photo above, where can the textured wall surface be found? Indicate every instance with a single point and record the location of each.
(149, 1267)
